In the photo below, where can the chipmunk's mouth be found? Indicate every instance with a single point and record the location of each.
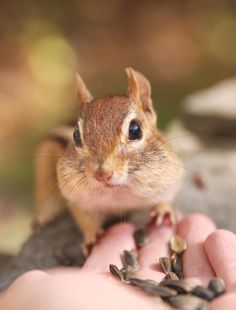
(110, 185)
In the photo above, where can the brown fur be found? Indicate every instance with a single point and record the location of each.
(103, 118)
(144, 172)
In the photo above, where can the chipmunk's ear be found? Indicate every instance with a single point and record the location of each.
(82, 91)
(140, 88)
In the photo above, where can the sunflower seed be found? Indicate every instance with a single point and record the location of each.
(177, 265)
(126, 275)
(178, 244)
(188, 302)
(153, 289)
(217, 286)
(141, 237)
(152, 282)
(203, 293)
(130, 272)
(129, 260)
(180, 286)
(165, 263)
(116, 272)
(171, 276)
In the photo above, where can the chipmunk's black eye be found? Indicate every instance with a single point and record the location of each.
(135, 131)
(77, 137)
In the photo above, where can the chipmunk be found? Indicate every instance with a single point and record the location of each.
(113, 160)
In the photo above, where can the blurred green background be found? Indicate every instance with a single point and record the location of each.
(180, 46)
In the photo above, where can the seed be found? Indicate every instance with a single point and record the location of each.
(178, 244)
(217, 286)
(141, 237)
(152, 288)
(129, 260)
(134, 253)
(188, 302)
(116, 272)
(171, 276)
(203, 293)
(177, 265)
(180, 286)
(165, 263)
(130, 272)
(126, 275)
(152, 282)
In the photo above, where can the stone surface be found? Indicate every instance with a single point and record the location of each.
(212, 112)
(182, 140)
(58, 244)
(209, 186)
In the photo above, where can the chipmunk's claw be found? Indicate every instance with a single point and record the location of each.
(161, 212)
(87, 248)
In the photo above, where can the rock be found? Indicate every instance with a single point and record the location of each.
(4, 261)
(183, 140)
(58, 244)
(209, 186)
(212, 112)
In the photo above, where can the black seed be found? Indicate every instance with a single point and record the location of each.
(187, 302)
(171, 276)
(141, 237)
(129, 260)
(217, 286)
(130, 272)
(116, 272)
(152, 282)
(203, 293)
(165, 263)
(177, 265)
(153, 289)
(180, 286)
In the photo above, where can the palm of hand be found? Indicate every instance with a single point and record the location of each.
(210, 253)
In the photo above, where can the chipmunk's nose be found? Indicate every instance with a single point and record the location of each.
(103, 175)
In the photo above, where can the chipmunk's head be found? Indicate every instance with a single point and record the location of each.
(109, 128)
(116, 142)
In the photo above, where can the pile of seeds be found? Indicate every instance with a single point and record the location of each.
(172, 289)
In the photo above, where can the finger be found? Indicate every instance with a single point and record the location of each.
(220, 247)
(28, 278)
(194, 229)
(227, 301)
(109, 249)
(157, 247)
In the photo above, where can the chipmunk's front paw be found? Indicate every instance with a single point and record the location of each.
(90, 239)
(162, 211)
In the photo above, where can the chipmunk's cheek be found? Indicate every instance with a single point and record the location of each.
(89, 169)
(119, 178)
(120, 173)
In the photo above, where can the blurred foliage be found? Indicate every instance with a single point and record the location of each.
(179, 45)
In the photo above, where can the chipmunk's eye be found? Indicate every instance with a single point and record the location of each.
(77, 137)
(135, 131)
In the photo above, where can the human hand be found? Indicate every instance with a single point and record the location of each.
(210, 252)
